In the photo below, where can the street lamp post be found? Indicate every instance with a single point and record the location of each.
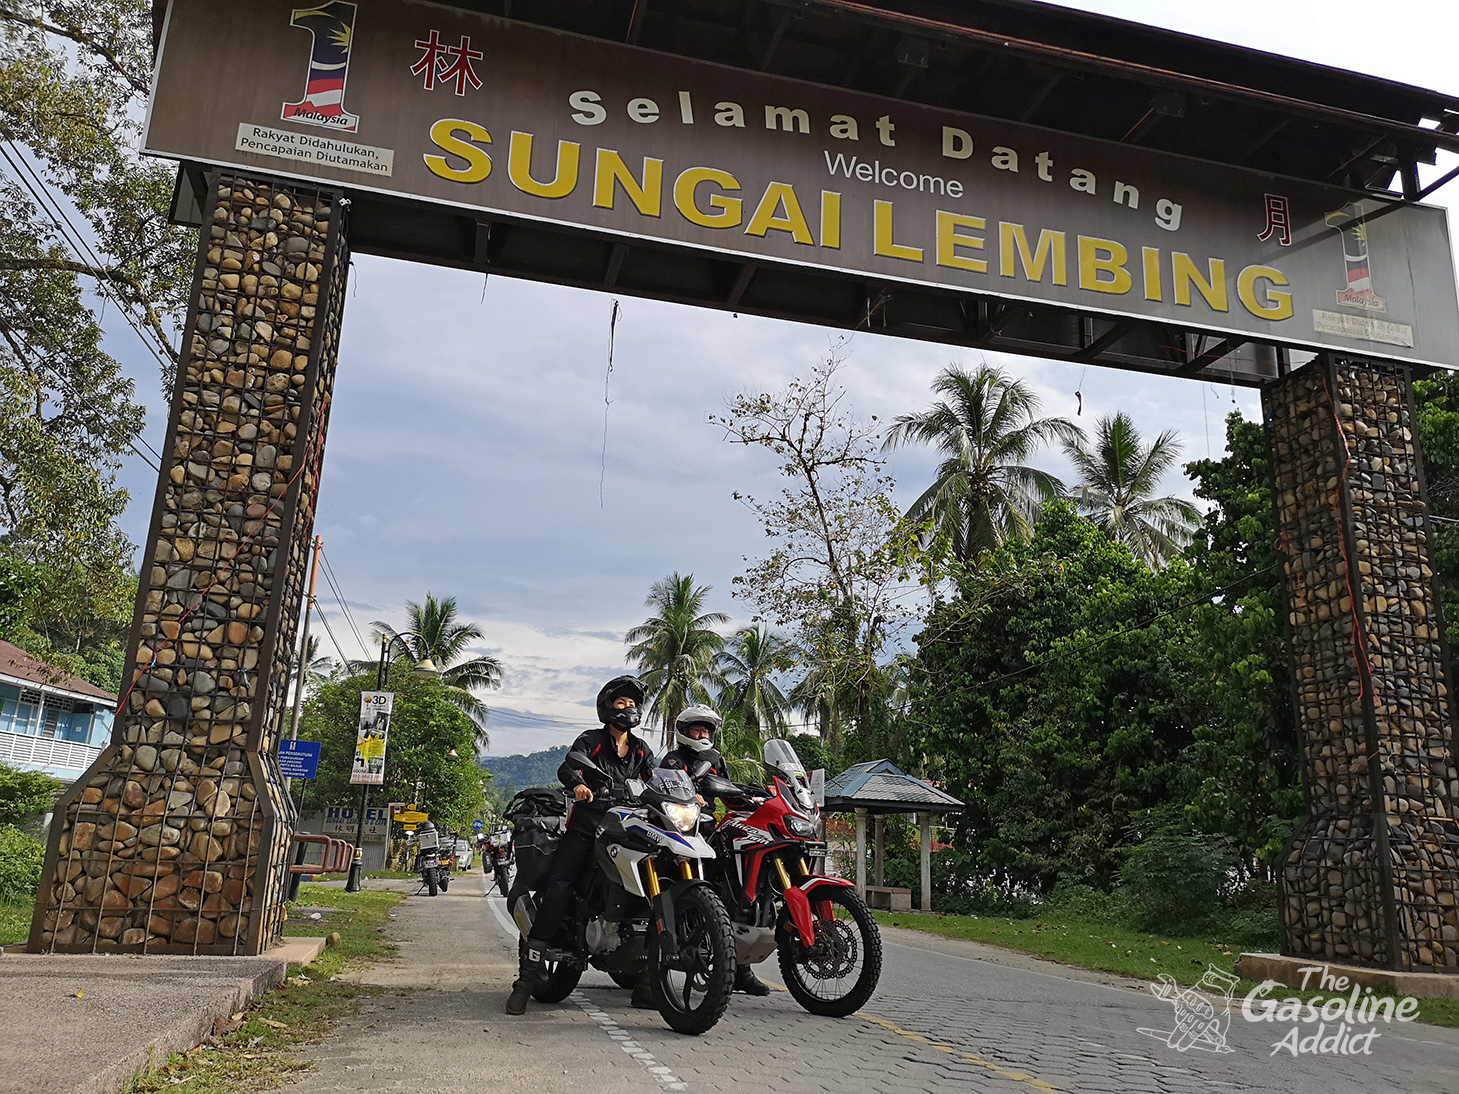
(424, 667)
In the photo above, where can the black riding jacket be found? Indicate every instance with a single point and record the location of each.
(688, 759)
(598, 746)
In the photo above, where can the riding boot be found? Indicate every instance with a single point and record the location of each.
(746, 981)
(643, 993)
(530, 971)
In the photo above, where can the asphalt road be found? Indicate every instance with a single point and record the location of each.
(948, 1016)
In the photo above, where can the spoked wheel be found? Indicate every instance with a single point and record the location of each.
(558, 984)
(837, 974)
(692, 986)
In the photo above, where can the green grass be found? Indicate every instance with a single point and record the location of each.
(1106, 948)
(260, 1052)
(14, 923)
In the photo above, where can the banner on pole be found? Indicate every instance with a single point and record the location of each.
(370, 740)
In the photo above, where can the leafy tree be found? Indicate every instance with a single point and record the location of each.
(425, 727)
(23, 794)
(1049, 695)
(1247, 740)
(986, 429)
(751, 660)
(83, 216)
(1437, 402)
(676, 650)
(433, 632)
(1119, 475)
(838, 546)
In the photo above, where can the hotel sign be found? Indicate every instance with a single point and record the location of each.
(480, 113)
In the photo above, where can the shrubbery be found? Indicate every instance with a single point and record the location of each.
(21, 857)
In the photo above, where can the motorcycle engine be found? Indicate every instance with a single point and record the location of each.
(601, 935)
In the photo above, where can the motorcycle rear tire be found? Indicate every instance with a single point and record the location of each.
(624, 979)
(445, 882)
(430, 883)
(702, 922)
(794, 958)
(502, 881)
(559, 985)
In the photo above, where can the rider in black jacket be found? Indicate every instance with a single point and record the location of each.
(694, 745)
(623, 755)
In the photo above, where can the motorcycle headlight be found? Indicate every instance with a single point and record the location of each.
(684, 817)
(799, 826)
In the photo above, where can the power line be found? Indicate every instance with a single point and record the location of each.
(323, 618)
(76, 239)
(29, 347)
(334, 586)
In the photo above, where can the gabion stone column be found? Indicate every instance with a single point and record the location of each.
(1372, 874)
(177, 838)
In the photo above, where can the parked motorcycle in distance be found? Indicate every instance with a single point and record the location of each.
(827, 942)
(647, 904)
(497, 855)
(433, 862)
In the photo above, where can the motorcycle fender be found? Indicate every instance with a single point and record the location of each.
(811, 885)
(799, 907)
(664, 908)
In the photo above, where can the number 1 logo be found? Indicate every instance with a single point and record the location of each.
(332, 28)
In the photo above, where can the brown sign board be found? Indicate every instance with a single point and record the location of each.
(438, 105)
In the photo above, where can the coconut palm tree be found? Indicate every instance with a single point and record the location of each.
(676, 649)
(985, 426)
(433, 632)
(753, 655)
(1118, 475)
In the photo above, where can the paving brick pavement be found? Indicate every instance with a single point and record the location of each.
(949, 1018)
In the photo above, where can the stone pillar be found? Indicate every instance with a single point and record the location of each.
(176, 840)
(1372, 873)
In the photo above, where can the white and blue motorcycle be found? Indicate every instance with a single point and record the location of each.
(648, 905)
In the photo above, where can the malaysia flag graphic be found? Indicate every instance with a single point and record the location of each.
(332, 27)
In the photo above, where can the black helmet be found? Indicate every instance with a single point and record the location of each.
(630, 686)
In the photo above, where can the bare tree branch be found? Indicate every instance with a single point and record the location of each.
(80, 37)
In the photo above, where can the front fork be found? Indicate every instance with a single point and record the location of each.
(663, 909)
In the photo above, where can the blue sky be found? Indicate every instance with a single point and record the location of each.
(466, 441)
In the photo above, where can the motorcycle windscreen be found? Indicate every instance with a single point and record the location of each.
(672, 783)
(781, 758)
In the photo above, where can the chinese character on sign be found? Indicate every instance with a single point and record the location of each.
(1278, 221)
(426, 66)
(447, 64)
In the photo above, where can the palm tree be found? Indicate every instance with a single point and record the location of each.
(433, 632)
(676, 649)
(985, 427)
(753, 656)
(1117, 475)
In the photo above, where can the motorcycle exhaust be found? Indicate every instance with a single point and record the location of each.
(524, 911)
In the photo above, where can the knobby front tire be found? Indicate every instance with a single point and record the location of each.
(837, 975)
(692, 1000)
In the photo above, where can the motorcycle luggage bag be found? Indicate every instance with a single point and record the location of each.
(539, 818)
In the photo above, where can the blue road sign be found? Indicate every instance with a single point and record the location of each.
(299, 759)
(476, 825)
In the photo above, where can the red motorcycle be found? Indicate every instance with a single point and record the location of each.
(827, 942)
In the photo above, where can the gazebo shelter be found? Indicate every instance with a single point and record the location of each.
(876, 789)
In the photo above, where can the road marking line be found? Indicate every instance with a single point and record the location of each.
(501, 916)
(996, 1069)
(662, 1075)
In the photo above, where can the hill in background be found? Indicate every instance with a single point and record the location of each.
(513, 773)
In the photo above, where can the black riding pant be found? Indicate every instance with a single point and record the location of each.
(571, 872)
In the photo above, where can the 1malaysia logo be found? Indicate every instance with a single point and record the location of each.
(332, 28)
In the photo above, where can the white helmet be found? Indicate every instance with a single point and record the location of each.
(691, 715)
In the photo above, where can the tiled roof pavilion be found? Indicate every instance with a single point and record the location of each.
(880, 787)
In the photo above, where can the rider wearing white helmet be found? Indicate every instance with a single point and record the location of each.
(694, 732)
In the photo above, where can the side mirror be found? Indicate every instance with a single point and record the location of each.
(721, 788)
(635, 788)
(583, 763)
